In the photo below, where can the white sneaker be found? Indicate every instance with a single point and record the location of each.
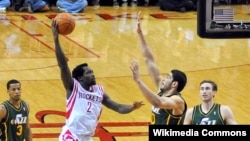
(133, 4)
(2, 9)
(124, 4)
(62, 10)
(29, 7)
(96, 4)
(116, 4)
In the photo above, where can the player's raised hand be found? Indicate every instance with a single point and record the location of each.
(135, 70)
(54, 29)
(137, 105)
(139, 22)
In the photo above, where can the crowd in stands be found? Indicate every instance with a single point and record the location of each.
(76, 6)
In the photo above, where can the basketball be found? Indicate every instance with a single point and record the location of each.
(65, 23)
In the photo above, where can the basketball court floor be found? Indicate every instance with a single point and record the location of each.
(106, 39)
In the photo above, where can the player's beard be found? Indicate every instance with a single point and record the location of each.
(164, 88)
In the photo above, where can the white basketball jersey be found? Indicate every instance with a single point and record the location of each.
(84, 109)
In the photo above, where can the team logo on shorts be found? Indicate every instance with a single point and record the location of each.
(69, 137)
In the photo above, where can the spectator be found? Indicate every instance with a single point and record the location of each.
(177, 5)
(35, 6)
(4, 4)
(71, 6)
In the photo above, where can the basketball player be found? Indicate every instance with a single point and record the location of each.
(209, 112)
(84, 98)
(14, 115)
(168, 105)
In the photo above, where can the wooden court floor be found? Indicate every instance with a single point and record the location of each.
(106, 39)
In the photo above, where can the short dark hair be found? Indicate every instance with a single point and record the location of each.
(78, 70)
(180, 77)
(214, 85)
(12, 81)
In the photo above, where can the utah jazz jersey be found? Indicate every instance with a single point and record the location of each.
(14, 126)
(165, 116)
(213, 117)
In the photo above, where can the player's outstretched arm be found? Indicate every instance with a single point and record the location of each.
(120, 108)
(148, 54)
(157, 101)
(62, 61)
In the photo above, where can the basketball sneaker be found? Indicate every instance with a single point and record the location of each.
(96, 4)
(124, 4)
(2, 9)
(26, 7)
(133, 4)
(62, 10)
(115, 4)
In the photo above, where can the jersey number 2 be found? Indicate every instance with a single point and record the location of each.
(89, 107)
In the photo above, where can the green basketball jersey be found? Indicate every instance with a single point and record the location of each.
(213, 117)
(165, 117)
(14, 126)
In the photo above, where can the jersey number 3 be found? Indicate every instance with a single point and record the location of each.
(19, 130)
